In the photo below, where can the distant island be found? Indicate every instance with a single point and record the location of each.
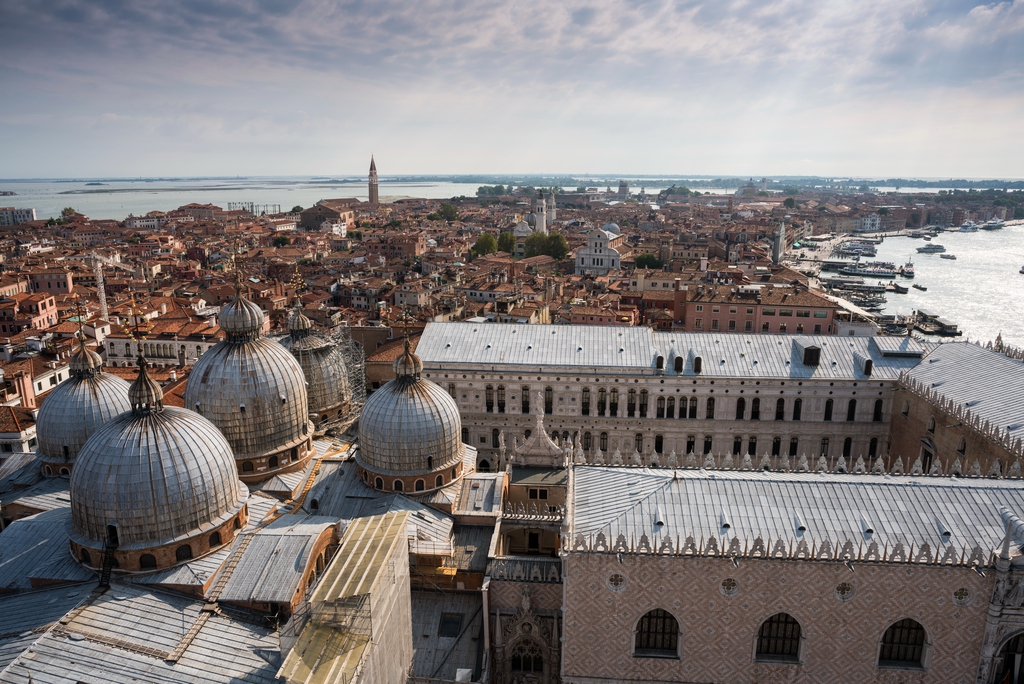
(95, 183)
(7, 193)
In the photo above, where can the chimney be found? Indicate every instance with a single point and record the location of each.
(23, 383)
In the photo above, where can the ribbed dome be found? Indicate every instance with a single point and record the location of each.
(240, 318)
(298, 323)
(254, 391)
(160, 476)
(611, 227)
(145, 392)
(408, 420)
(85, 362)
(323, 366)
(75, 409)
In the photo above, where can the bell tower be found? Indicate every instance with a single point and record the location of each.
(373, 182)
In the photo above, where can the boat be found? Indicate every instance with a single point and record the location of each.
(1021, 269)
(947, 256)
(968, 227)
(927, 238)
(931, 248)
(869, 271)
(900, 289)
(908, 270)
(992, 224)
(918, 286)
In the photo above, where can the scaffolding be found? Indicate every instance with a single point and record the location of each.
(255, 209)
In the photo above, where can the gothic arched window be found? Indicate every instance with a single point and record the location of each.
(902, 644)
(778, 640)
(657, 635)
(877, 415)
(604, 441)
(526, 658)
(741, 408)
(851, 411)
(588, 440)
(828, 409)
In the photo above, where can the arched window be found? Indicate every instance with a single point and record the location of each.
(215, 539)
(378, 483)
(657, 635)
(603, 441)
(638, 442)
(873, 447)
(798, 408)
(741, 408)
(659, 362)
(902, 645)
(314, 505)
(691, 443)
(906, 409)
(752, 446)
(778, 639)
(439, 481)
(247, 467)
(549, 400)
(613, 403)
(430, 462)
(524, 397)
(961, 447)
(183, 552)
(1012, 659)
(489, 398)
(631, 403)
(65, 471)
(501, 398)
(419, 485)
(776, 446)
(931, 424)
(696, 365)
(708, 444)
(851, 411)
(494, 438)
(829, 404)
(659, 444)
(693, 408)
(678, 364)
(824, 446)
(484, 466)
(588, 441)
(526, 658)
(847, 447)
(554, 436)
(602, 401)
(273, 462)
(755, 408)
(238, 523)
(643, 403)
(670, 407)
(780, 409)
(585, 402)
(147, 561)
(711, 408)
(86, 558)
(737, 445)
(876, 416)
(465, 435)
(398, 485)
(660, 411)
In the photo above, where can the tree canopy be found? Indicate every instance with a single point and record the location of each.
(553, 245)
(506, 242)
(297, 208)
(281, 241)
(446, 212)
(485, 244)
(647, 261)
(789, 203)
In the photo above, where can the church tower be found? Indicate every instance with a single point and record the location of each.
(373, 182)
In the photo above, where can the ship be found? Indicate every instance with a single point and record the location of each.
(947, 256)
(869, 271)
(918, 286)
(931, 248)
(908, 270)
(968, 227)
(992, 224)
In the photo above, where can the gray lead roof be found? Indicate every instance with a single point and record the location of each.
(630, 501)
(584, 348)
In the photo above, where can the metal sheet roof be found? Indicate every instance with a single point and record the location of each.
(987, 382)
(631, 502)
(31, 543)
(598, 348)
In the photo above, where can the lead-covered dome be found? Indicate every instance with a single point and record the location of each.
(254, 391)
(327, 381)
(154, 477)
(411, 427)
(77, 407)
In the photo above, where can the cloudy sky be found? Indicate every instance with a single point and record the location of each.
(928, 88)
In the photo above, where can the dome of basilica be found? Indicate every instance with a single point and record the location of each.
(153, 478)
(76, 408)
(327, 382)
(411, 427)
(254, 391)
(611, 228)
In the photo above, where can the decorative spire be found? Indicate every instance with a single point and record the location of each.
(84, 362)
(144, 394)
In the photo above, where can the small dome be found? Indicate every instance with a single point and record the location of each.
(76, 408)
(145, 393)
(298, 322)
(323, 366)
(240, 318)
(159, 476)
(86, 362)
(611, 228)
(408, 421)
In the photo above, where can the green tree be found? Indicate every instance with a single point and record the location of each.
(281, 241)
(536, 244)
(447, 212)
(557, 247)
(883, 212)
(67, 211)
(506, 242)
(790, 203)
(485, 244)
(647, 261)
(297, 208)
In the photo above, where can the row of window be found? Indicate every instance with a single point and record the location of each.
(800, 313)
(779, 640)
(638, 404)
(748, 326)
